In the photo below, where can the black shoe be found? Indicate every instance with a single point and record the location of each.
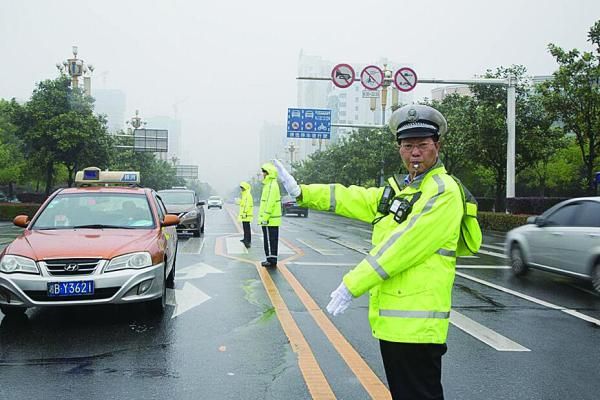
(242, 240)
(268, 264)
(247, 245)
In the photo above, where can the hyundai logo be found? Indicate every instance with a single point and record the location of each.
(71, 267)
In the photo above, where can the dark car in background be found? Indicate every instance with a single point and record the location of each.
(565, 239)
(290, 206)
(185, 204)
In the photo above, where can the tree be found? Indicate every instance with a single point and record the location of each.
(11, 157)
(573, 97)
(57, 125)
(155, 174)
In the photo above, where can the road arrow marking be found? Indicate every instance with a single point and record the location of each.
(186, 298)
(195, 271)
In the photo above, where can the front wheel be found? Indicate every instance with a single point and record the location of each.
(596, 277)
(517, 261)
(158, 306)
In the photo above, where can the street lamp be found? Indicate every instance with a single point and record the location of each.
(75, 68)
(136, 121)
(291, 147)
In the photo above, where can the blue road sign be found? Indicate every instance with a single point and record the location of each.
(309, 123)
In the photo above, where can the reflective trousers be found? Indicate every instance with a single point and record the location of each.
(270, 240)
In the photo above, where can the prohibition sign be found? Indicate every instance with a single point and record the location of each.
(308, 126)
(371, 77)
(295, 125)
(343, 76)
(405, 79)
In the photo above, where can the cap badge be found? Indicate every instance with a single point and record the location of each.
(412, 115)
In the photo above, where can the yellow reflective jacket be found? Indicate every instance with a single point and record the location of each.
(269, 212)
(246, 203)
(410, 270)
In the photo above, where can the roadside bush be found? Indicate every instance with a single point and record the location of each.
(31, 197)
(532, 205)
(10, 210)
(500, 221)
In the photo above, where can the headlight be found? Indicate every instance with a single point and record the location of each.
(191, 214)
(130, 261)
(14, 264)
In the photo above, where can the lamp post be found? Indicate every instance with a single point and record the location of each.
(136, 121)
(75, 68)
(291, 147)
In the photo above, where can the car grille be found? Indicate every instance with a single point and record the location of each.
(84, 266)
(99, 293)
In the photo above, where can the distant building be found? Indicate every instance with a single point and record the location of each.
(272, 143)
(112, 103)
(174, 128)
(439, 93)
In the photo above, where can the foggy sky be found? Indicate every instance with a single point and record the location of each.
(229, 66)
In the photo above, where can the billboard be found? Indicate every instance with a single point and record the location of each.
(186, 171)
(151, 140)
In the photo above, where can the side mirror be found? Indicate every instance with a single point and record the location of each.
(201, 203)
(531, 220)
(170, 220)
(21, 221)
(541, 221)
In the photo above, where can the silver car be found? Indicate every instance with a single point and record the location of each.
(565, 239)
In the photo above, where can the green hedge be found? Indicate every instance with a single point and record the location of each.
(500, 221)
(10, 210)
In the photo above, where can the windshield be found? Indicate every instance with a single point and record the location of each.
(214, 198)
(177, 197)
(96, 210)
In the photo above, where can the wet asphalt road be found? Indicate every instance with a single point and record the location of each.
(223, 338)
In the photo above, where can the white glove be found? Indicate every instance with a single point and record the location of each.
(288, 181)
(340, 300)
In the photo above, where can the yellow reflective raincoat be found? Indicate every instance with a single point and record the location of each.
(269, 213)
(246, 203)
(410, 270)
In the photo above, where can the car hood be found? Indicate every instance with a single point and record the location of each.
(75, 243)
(179, 208)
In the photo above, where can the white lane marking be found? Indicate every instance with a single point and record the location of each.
(324, 264)
(234, 246)
(499, 244)
(483, 266)
(186, 298)
(491, 253)
(324, 252)
(356, 228)
(491, 246)
(574, 313)
(351, 246)
(192, 246)
(484, 334)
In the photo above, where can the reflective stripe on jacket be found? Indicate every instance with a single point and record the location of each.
(246, 204)
(410, 270)
(269, 212)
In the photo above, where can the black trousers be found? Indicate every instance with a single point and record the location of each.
(247, 235)
(413, 370)
(271, 242)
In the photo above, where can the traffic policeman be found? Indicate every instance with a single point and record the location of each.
(246, 212)
(269, 214)
(410, 270)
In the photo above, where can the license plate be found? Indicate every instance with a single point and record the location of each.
(71, 288)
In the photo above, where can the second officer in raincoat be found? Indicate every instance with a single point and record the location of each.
(246, 212)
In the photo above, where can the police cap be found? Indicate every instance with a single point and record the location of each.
(417, 120)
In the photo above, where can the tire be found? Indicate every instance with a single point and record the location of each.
(596, 277)
(158, 306)
(12, 311)
(517, 261)
(197, 232)
(202, 227)
(171, 277)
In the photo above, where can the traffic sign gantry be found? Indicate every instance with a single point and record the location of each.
(371, 77)
(405, 79)
(343, 75)
(309, 123)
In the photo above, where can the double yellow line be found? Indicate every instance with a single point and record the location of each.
(317, 384)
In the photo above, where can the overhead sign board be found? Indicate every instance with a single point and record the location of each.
(151, 140)
(309, 123)
(371, 77)
(343, 76)
(405, 79)
(186, 171)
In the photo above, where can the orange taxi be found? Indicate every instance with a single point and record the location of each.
(105, 241)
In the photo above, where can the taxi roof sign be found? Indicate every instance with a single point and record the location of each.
(94, 175)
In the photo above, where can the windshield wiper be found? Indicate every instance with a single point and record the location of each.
(102, 226)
